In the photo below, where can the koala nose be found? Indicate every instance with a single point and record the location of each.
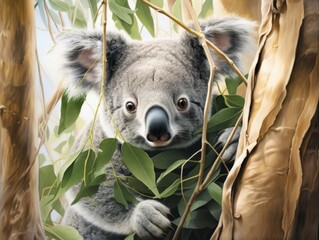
(157, 125)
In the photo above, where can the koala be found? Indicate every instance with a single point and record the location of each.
(156, 92)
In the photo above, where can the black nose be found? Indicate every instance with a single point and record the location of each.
(157, 125)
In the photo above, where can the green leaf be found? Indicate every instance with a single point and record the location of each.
(177, 12)
(144, 14)
(140, 165)
(42, 12)
(72, 172)
(234, 101)
(132, 30)
(225, 118)
(232, 84)
(41, 159)
(170, 169)
(46, 208)
(164, 159)
(201, 200)
(47, 180)
(106, 150)
(214, 209)
(93, 9)
(61, 232)
(77, 17)
(60, 147)
(122, 195)
(171, 189)
(198, 220)
(70, 110)
(158, 3)
(76, 172)
(60, 5)
(130, 237)
(120, 11)
(89, 189)
(70, 160)
(55, 17)
(207, 9)
(215, 192)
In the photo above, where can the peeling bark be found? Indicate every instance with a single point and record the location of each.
(19, 205)
(272, 192)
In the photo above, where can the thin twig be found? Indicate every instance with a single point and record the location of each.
(208, 102)
(52, 103)
(219, 158)
(49, 21)
(62, 20)
(198, 34)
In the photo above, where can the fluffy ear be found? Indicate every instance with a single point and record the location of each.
(82, 53)
(233, 35)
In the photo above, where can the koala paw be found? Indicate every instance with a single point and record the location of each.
(232, 148)
(150, 219)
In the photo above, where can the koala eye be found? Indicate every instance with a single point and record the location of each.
(182, 104)
(130, 107)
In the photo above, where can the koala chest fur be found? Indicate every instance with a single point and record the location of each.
(155, 91)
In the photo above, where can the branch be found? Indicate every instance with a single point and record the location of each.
(198, 34)
(208, 102)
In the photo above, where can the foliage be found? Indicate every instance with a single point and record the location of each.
(169, 176)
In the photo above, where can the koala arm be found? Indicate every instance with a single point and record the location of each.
(102, 214)
(148, 218)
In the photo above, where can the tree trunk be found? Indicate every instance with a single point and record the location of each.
(244, 8)
(19, 205)
(272, 191)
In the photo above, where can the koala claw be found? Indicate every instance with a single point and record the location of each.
(230, 152)
(150, 219)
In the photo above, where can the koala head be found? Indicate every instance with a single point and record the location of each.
(155, 89)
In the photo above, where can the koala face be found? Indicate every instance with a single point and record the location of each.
(156, 89)
(156, 97)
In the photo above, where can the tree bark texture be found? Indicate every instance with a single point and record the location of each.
(245, 8)
(272, 191)
(19, 205)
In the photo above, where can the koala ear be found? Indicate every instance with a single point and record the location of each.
(82, 53)
(233, 35)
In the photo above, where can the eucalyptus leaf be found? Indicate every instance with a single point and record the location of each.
(223, 119)
(61, 232)
(47, 180)
(164, 159)
(232, 84)
(140, 165)
(171, 189)
(177, 12)
(42, 12)
(89, 189)
(93, 9)
(121, 12)
(234, 101)
(144, 14)
(130, 237)
(170, 169)
(215, 192)
(198, 219)
(122, 195)
(106, 150)
(158, 3)
(132, 30)
(60, 5)
(70, 110)
(207, 9)
(214, 209)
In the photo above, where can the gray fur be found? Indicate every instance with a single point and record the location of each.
(148, 73)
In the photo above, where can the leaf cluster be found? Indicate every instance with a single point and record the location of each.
(168, 176)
